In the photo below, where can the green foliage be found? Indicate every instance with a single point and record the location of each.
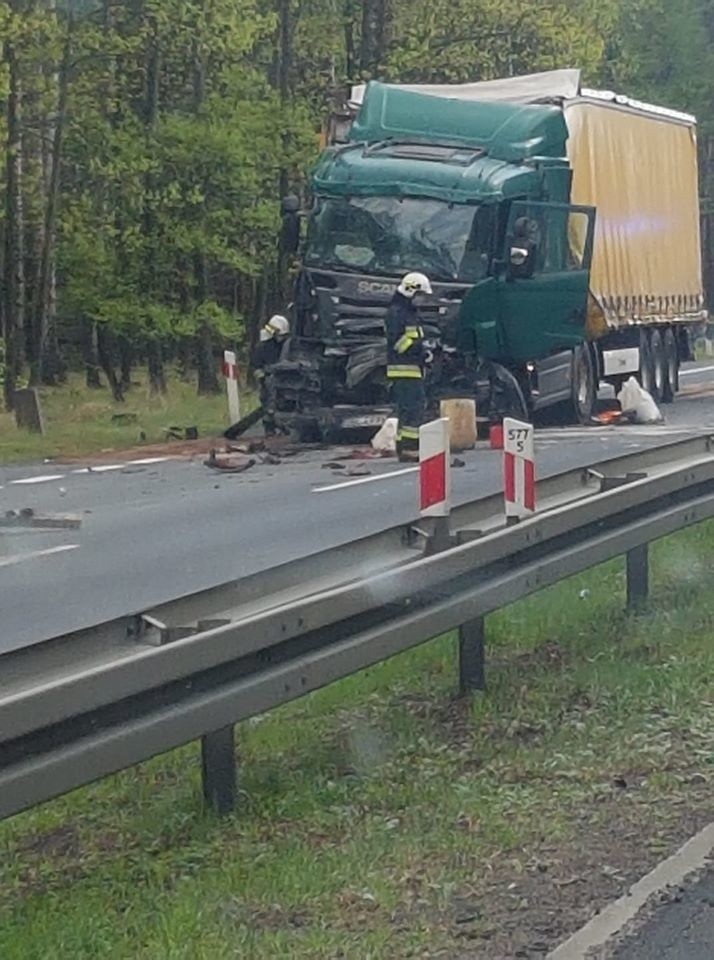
(168, 213)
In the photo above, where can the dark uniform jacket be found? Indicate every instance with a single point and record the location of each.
(404, 339)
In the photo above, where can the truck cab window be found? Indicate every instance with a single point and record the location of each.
(390, 236)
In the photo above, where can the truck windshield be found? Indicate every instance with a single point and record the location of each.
(388, 235)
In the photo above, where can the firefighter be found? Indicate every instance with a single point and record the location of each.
(266, 354)
(405, 362)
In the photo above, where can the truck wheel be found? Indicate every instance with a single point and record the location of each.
(507, 398)
(306, 433)
(584, 388)
(671, 357)
(659, 366)
(646, 374)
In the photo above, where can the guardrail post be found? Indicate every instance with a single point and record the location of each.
(637, 576)
(472, 656)
(218, 769)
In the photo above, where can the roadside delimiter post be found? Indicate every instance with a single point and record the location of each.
(472, 657)
(218, 768)
(637, 576)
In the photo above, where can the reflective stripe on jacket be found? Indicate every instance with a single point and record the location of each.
(404, 371)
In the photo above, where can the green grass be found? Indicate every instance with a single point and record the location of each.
(79, 421)
(371, 809)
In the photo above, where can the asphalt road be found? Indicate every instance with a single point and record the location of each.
(153, 531)
(680, 928)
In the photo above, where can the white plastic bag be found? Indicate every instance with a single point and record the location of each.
(385, 439)
(638, 403)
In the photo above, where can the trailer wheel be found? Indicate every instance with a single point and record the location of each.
(646, 374)
(583, 385)
(659, 366)
(671, 357)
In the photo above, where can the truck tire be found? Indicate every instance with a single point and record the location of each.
(507, 397)
(646, 373)
(583, 385)
(671, 357)
(659, 366)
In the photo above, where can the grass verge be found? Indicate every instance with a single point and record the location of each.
(79, 421)
(382, 818)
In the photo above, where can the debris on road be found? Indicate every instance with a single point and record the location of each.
(229, 463)
(358, 471)
(333, 465)
(181, 433)
(26, 517)
(458, 462)
(245, 423)
(247, 446)
(385, 439)
(635, 400)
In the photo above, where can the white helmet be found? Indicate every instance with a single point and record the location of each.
(277, 326)
(414, 283)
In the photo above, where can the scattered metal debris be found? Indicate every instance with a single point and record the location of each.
(181, 433)
(26, 517)
(228, 463)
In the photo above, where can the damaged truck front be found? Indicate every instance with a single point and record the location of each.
(475, 186)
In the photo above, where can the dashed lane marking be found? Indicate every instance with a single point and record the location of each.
(43, 479)
(360, 480)
(102, 468)
(36, 554)
(694, 371)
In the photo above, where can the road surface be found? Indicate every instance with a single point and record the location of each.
(154, 529)
(680, 928)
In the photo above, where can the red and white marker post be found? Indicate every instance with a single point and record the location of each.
(518, 469)
(230, 372)
(435, 469)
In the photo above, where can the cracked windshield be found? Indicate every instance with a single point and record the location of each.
(385, 235)
(356, 475)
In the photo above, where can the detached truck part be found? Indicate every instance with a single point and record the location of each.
(559, 227)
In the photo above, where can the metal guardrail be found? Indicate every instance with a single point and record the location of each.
(85, 705)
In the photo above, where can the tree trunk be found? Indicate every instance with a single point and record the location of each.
(157, 378)
(13, 267)
(91, 355)
(106, 348)
(43, 298)
(157, 381)
(349, 32)
(206, 363)
(376, 17)
(126, 360)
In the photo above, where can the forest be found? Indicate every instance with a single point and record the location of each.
(147, 144)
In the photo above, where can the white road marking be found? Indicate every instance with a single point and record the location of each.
(669, 874)
(359, 480)
(102, 468)
(33, 555)
(42, 479)
(695, 371)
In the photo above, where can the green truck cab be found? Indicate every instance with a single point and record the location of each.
(477, 194)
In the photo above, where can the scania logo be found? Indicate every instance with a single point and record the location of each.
(374, 286)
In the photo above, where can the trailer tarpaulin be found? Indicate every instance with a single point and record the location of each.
(639, 169)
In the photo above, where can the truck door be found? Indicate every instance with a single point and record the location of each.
(543, 287)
